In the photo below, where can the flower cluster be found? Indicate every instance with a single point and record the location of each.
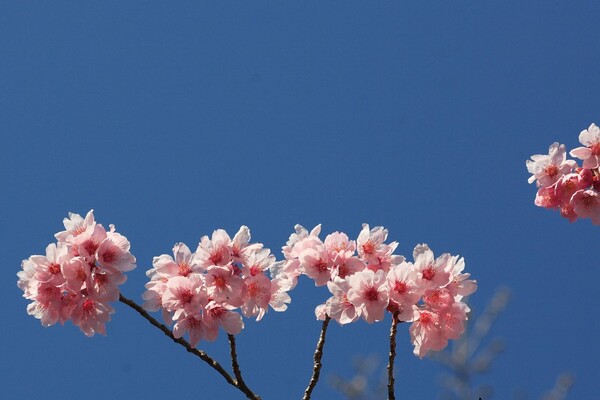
(79, 275)
(201, 291)
(226, 278)
(563, 185)
(365, 279)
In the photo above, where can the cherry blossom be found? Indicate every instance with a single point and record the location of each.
(564, 186)
(426, 333)
(214, 251)
(374, 252)
(338, 307)
(547, 169)
(258, 296)
(91, 316)
(79, 275)
(402, 284)
(586, 204)
(75, 225)
(191, 325)
(216, 315)
(208, 289)
(590, 154)
(184, 295)
(317, 264)
(199, 293)
(366, 279)
(369, 294)
(431, 273)
(280, 298)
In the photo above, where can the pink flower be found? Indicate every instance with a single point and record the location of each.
(182, 265)
(546, 197)
(258, 295)
(402, 284)
(374, 252)
(216, 315)
(258, 261)
(568, 184)
(104, 286)
(438, 299)
(590, 154)
(339, 247)
(86, 243)
(369, 294)
(338, 307)
(184, 295)
(431, 274)
(295, 246)
(317, 264)
(27, 281)
(343, 268)
(48, 268)
(193, 325)
(153, 295)
(567, 211)
(75, 225)
(240, 247)
(289, 250)
(586, 204)
(47, 303)
(91, 316)
(547, 169)
(452, 320)
(279, 296)
(214, 251)
(76, 272)
(223, 285)
(113, 253)
(78, 275)
(460, 286)
(425, 332)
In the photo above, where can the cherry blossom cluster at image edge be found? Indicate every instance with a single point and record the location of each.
(563, 185)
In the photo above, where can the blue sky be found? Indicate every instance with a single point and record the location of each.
(172, 120)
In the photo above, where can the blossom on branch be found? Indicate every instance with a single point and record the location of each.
(211, 288)
(366, 279)
(79, 275)
(202, 291)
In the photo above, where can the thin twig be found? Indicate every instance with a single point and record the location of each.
(393, 330)
(198, 353)
(317, 358)
(235, 365)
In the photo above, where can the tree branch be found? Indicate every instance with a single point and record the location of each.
(235, 366)
(317, 358)
(393, 330)
(198, 353)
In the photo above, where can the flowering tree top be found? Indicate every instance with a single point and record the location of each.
(226, 279)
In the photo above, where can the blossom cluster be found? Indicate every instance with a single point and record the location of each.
(202, 291)
(563, 185)
(79, 275)
(365, 279)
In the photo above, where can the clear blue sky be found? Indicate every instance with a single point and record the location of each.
(175, 119)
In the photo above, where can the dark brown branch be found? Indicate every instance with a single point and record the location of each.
(235, 365)
(317, 358)
(393, 330)
(198, 353)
